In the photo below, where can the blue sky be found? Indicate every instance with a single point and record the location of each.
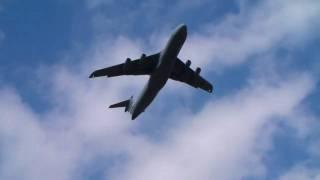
(261, 122)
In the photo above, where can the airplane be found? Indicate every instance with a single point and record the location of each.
(160, 67)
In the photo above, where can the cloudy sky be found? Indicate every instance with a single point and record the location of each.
(261, 122)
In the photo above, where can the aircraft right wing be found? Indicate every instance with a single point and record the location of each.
(143, 66)
(183, 73)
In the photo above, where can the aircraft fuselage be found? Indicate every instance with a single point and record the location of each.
(161, 74)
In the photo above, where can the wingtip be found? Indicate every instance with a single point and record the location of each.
(91, 75)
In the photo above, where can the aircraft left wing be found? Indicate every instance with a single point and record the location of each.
(143, 66)
(183, 73)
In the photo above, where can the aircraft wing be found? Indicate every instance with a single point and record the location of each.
(184, 73)
(143, 66)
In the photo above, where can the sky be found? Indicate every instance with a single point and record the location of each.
(261, 122)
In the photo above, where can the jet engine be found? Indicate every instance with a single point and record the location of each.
(198, 70)
(195, 76)
(126, 65)
(143, 56)
(188, 63)
(128, 60)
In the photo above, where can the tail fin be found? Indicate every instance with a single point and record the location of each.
(126, 104)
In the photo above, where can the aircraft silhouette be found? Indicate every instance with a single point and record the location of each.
(161, 67)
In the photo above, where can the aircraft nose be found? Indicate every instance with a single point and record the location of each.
(183, 30)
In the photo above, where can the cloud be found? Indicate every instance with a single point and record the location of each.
(254, 31)
(227, 139)
(28, 150)
(223, 137)
(53, 145)
(220, 141)
(306, 128)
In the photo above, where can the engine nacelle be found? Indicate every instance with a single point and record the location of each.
(198, 70)
(128, 61)
(143, 56)
(188, 63)
(126, 65)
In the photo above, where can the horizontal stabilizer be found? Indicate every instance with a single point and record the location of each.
(126, 104)
(91, 75)
(120, 104)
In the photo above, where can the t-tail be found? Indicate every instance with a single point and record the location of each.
(126, 104)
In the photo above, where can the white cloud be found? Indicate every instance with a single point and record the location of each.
(229, 135)
(53, 145)
(28, 150)
(254, 31)
(222, 138)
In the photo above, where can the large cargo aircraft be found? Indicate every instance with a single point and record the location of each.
(161, 67)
